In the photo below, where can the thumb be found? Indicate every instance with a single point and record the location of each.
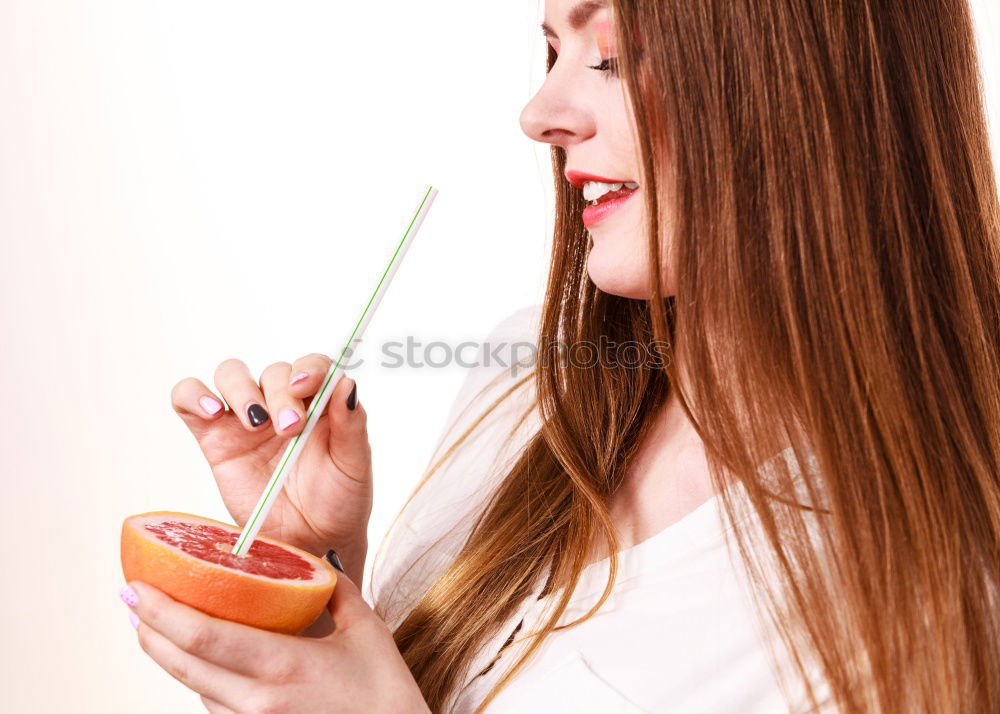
(348, 437)
(346, 605)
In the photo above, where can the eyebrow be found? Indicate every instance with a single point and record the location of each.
(579, 16)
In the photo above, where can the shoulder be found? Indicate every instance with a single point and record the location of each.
(502, 368)
(477, 446)
(499, 362)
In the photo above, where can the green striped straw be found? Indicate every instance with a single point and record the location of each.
(319, 402)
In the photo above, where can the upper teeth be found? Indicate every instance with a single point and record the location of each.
(593, 190)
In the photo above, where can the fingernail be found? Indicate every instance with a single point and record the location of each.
(298, 378)
(128, 596)
(134, 619)
(210, 405)
(352, 398)
(334, 559)
(287, 418)
(257, 414)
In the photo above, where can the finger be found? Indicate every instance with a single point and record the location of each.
(228, 645)
(346, 605)
(195, 403)
(348, 436)
(238, 387)
(205, 678)
(288, 409)
(315, 367)
(214, 707)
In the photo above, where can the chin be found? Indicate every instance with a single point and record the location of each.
(621, 275)
(618, 274)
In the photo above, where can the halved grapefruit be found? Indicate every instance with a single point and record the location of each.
(275, 586)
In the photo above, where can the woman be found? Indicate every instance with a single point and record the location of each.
(815, 236)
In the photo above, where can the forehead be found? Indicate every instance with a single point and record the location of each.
(574, 14)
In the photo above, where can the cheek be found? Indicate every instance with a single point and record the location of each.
(616, 122)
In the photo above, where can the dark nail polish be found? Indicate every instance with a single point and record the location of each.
(257, 414)
(352, 398)
(334, 559)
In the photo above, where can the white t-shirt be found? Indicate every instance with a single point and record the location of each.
(679, 632)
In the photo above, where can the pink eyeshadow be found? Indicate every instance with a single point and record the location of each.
(605, 38)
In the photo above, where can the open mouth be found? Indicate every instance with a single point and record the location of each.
(610, 199)
(598, 191)
(614, 194)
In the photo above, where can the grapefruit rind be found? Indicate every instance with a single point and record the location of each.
(268, 603)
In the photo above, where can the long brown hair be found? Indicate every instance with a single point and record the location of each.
(835, 230)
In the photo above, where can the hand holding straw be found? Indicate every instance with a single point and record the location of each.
(333, 376)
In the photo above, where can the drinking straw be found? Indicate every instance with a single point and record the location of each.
(333, 376)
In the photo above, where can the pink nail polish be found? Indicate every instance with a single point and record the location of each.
(134, 619)
(298, 378)
(128, 596)
(210, 405)
(286, 418)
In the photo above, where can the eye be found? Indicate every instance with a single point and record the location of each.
(609, 65)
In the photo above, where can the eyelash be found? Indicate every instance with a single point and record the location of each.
(609, 65)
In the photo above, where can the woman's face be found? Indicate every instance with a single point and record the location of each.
(583, 107)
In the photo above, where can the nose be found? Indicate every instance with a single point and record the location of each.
(555, 115)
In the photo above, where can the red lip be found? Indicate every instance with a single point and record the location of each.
(594, 214)
(578, 178)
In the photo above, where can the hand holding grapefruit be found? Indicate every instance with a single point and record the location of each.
(275, 586)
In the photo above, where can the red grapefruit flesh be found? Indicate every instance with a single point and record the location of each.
(275, 586)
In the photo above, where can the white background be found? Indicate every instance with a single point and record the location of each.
(183, 182)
